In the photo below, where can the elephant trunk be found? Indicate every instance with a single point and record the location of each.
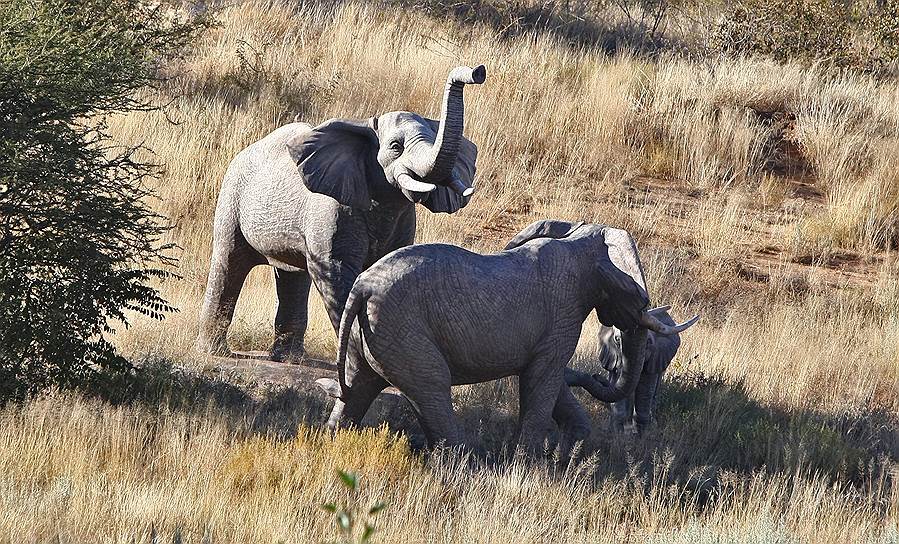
(438, 167)
(633, 347)
(633, 351)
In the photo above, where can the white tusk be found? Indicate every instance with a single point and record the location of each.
(460, 187)
(659, 310)
(409, 184)
(654, 324)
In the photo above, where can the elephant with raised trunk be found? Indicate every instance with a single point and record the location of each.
(321, 204)
(639, 407)
(427, 317)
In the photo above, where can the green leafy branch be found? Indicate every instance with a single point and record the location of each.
(347, 516)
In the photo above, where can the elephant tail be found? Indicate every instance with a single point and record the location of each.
(354, 303)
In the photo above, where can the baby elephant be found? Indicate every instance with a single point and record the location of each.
(640, 406)
(427, 317)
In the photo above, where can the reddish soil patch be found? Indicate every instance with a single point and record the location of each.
(761, 254)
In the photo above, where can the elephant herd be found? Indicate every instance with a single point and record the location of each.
(334, 205)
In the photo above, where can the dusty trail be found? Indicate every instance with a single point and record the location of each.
(257, 367)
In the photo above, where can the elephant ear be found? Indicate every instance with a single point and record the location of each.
(443, 199)
(622, 281)
(660, 350)
(339, 158)
(543, 229)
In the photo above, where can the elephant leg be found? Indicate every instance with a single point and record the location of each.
(364, 386)
(428, 390)
(571, 418)
(621, 413)
(538, 391)
(291, 316)
(435, 413)
(655, 395)
(228, 269)
(333, 280)
(644, 400)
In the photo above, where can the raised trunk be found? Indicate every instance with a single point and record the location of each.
(437, 167)
(633, 347)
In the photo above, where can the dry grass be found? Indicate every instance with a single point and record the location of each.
(778, 422)
(151, 474)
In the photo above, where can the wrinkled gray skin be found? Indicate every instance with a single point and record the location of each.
(639, 407)
(321, 204)
(427, 317)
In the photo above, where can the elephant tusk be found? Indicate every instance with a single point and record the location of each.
(409, 184)
(659, 310)
(650, 322)
(461, 187)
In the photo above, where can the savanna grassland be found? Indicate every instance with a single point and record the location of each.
(764, 196)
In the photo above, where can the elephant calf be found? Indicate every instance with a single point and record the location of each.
(427, 317)
(640, 406)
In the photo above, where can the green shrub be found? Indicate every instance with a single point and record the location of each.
(879, 40)
(79, 243)
(787, 29)
(858, 35)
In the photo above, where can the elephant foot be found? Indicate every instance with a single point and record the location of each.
(216, 348)
(642, 428)
(417, 442)
(330, 386)
(288, 348)
(620, 426)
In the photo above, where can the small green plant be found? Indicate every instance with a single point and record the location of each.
(347, 515)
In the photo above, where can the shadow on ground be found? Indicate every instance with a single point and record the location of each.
(708, 430)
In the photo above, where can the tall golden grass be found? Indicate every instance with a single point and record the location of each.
(77, 471)
(780, 421)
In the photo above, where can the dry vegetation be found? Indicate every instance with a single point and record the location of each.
(763, 195)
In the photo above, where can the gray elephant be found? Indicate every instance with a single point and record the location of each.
(639, 407)
(430, 316)
(321, 204)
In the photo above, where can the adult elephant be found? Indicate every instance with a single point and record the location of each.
(430, 316)
(320, 204)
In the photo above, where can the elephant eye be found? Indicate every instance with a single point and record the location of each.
(396, 145)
